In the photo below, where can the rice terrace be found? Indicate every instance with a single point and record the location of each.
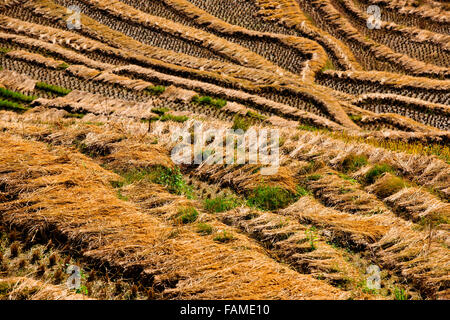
(224, 150)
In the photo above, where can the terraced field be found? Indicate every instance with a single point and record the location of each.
(89, 176)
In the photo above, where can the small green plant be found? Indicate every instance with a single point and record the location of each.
(241, 123)
(160, 111)
(8, 94)
(355, 117)
(270, 198)
(206, 100)
(343, 190)
(314, 177)
(121, 196)
(9, 105)
(376, 171)
(223, 237)
(172, 179)
(328, 66)
(221, 204)
(5, 50)
(353, 162)
(187, 215)
(63, 66)
(156, 90)
(400, 294)
(346, 177)
(307, 127)
(311, 234)
(98, 124)
(171, 117)
(52, 88)
(302, 192)
(256, 116)
(204, 228)
(74, 115)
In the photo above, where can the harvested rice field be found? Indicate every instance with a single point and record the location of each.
(224, 150)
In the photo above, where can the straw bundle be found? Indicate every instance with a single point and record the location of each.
(173, 93)
(394, 242)
(393, 79)
(336, 20)
(85, 211)
(314, 50)
(23, 288)
(243, 97)
(433, 11)
(133, 84)
(35, 58)
(288, 13)
(83, 72)
(67, 55)
(425, 170)
(413, 34)
(16, 81)
(85, 102)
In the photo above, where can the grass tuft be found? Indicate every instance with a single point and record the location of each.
(221, 204)
(270, 198)
(241, 123)
(14, 106)
(52, 88)
(206, 100)
(204, 228)
(224, 237)
(187, 215)
(156, 90)
(376, 171)
(170, 117)
(353, 162)
(8, 94)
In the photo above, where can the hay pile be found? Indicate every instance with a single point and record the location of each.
(392, 79)
(240, 96)
(24, 288)
(424, 170)
(16, 81)
(76, 203)
(434, 11)
(57, 50)
(317, 54)
(35, 58)
(246, 178)
(289, 14)
(85, 102)
(337, 21)
(393, 242)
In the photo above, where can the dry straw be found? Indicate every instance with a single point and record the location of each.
(333, 17)
(288, 13)
(76, 202)
(25, 288)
